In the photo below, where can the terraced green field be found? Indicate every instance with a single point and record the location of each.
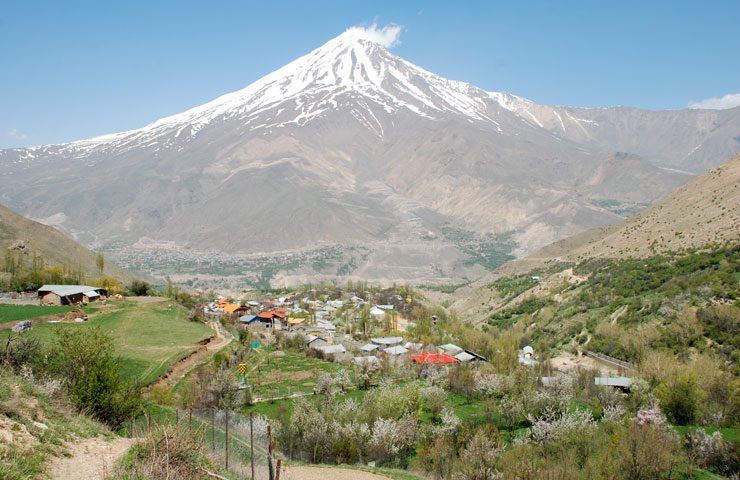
(14, 313)
(279, 376)
(149, 335)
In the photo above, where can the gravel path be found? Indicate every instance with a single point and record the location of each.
(92, 459)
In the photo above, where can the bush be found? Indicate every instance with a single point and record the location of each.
(679, 400)
(84, 359)
(139, 288)
(21, 351)
(170, 452)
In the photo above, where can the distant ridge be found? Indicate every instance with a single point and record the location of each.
(30, 237)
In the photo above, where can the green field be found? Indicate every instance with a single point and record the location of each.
(278, 376)
(13, 313)
(149, 336)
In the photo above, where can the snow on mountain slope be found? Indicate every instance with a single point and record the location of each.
(328, 78)
(348, 145)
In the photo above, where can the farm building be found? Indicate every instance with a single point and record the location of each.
(387, 341)
(620, 382)
(69, 294)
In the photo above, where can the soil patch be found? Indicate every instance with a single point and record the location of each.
(327, 473)
(90, 459)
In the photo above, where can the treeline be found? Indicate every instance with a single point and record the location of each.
(21, 273)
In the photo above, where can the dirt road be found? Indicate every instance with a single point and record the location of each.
(187, 364)
(91, 459)
(325, 473)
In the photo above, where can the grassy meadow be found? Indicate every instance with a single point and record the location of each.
(14, 313)
(288, 374)
(149, 336)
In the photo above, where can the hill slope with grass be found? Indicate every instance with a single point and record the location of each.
(37, 425)
(704, 212)
(29, 238)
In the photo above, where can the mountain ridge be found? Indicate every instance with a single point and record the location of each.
(348, 146)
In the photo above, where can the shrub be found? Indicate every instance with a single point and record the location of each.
(139, 288)
(84, 359)
(680, 399)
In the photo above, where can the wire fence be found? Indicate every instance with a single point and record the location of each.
(240, 444)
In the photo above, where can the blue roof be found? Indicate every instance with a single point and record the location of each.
(249, 318)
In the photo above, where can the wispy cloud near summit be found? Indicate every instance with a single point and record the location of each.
(731, 100)
(387, 36)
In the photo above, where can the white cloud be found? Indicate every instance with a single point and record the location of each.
(16, 134)
(731, 100)
(388, 36)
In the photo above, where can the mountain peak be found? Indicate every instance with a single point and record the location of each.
(386, 37)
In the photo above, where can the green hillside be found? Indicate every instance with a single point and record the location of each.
(680, 303)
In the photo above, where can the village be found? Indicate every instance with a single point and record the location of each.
(370, 331)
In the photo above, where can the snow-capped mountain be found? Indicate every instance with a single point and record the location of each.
(355, 147)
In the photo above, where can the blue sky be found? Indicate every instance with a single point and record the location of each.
(71, 70)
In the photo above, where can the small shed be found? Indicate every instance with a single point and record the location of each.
(249, 319)
(450, 349)
(623, 383)
(395, 350)
(469, 356)
(387, 341)
(331, 349)
(316, 342)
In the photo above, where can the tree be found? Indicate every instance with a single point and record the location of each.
(680, 399)
(111, 284)
(100, 262)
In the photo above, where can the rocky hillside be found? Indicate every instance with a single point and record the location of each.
(29, 238)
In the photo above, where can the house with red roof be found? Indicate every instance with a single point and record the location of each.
(431, 358)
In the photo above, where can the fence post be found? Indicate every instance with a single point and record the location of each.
(177, 416)
(279, 464)
(270, 468)
(251, 440)
(213, 428)
(190, 417)
(227, 439)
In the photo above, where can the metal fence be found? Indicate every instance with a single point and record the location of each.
(240, 444)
